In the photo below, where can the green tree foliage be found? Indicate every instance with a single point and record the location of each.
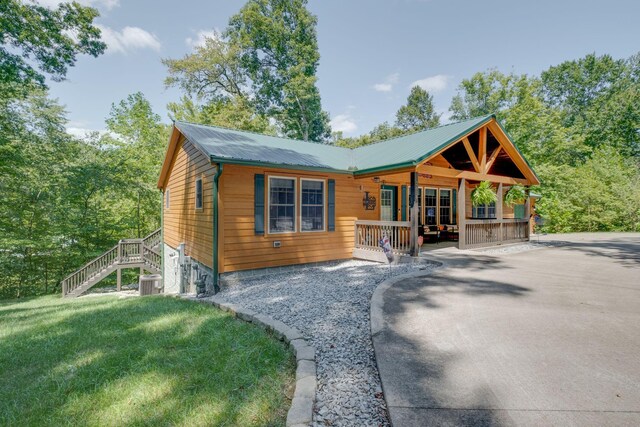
(279, 51)
(482, 94)
(382, 132)
(51, 39)
(64, 201)
(229, 113)
(139, 141)
(419, 113)
(603, 194)
(579, 126)
(262, 67)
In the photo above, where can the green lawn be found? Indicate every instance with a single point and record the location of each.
(137, 361)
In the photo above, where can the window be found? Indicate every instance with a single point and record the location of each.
(430, 205)
(199, 193)
(454, 206)
(312, 208)
(420, 218)
(484, 211)
(445, 206)
(386, 204)
(167, 195)
(282, 205)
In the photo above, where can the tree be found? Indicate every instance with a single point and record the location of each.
(482, 94)
(213, 72)
(233, 114)
(279, 51)
(600, 97)
(574, 86)
(419, 113)
(50, 38)
(141, 140)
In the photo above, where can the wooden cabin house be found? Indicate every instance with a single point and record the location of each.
(237, 201)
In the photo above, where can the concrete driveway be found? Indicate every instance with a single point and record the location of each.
(550, 336)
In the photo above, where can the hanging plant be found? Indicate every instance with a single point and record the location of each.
(515, 196)
(483, 194)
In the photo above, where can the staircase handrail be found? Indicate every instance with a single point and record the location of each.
(86, 267)
(153, 237)
(89, 262)
(91, 268)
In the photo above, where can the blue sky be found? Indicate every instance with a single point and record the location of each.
(372, 51)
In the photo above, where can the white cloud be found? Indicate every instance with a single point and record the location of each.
(201, 37)
(80, 132)
(106, 4)
(387, 85)
(383, 87)
(343, 123)
(129, 39)
(432, 84)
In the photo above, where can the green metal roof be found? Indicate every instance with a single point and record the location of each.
(223, 144)
(233, 146)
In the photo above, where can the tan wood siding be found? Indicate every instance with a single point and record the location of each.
(242, 249)
(182, 222)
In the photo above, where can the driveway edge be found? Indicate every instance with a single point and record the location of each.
(304, 397)
(376, 316)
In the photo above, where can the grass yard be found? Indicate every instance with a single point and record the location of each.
(137, 361)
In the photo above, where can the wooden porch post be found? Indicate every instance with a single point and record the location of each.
(119, 278)
(462, 215)
(413, 206)
(499, 203)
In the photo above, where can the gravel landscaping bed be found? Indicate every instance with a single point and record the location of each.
(329, 305)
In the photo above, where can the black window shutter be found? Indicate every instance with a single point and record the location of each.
(404, 203)
(258, 206)
(331, 211)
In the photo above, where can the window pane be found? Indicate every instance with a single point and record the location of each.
(281, 205)
(445, 207)
(430, 204)
(419, 203)
(491, 210)
(454, 206)
(312, 210)
(198, 193)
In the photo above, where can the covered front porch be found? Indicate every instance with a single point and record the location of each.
(428, 204)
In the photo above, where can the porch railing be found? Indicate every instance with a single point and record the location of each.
(489, 232)
(369, 233)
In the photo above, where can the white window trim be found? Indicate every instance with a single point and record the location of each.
(424, 206)
(195, 193)
(167, 199)
(324, 205)
(420, 202)
(450, 207)
(295, 204)
(380, 196)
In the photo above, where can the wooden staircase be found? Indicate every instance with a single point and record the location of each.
(129, 253)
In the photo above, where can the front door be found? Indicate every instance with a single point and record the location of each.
(387, 204)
